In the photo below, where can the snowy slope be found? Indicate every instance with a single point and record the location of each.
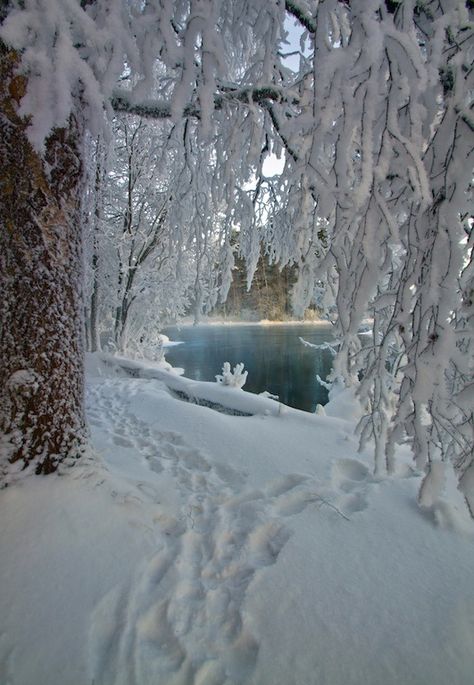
(194, 547)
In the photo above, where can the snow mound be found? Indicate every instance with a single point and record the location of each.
(343, 403)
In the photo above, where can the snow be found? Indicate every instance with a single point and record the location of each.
(196, 547)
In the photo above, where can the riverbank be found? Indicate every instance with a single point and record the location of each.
(193, 547)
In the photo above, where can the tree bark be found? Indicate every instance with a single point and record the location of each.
(41, 311)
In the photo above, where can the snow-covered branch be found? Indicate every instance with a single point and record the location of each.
(299, 13)
(123, 102)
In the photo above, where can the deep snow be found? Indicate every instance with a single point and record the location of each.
(195, 547)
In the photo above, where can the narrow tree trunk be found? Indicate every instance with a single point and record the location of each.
(94, 339)
(41, 327)
(94, 336)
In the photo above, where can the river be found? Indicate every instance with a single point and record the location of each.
(273, 354)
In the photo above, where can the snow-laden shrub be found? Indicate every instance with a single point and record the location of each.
(235, 378)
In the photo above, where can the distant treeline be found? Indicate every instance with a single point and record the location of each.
(269, 296)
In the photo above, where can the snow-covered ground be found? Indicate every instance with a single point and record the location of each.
(193, 547)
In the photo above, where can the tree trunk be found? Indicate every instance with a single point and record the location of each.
(94, 335)
(41, 311)
(94, 340)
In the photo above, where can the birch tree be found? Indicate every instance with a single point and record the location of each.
(138, 271)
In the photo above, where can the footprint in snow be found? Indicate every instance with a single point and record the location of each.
(154, 462)
(122, 441)
(180, 618)
(284, 484)
(352, 503)
(349, 470)
(351, 477)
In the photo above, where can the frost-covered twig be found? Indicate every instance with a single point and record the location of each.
(321, 346)
(321, 499)
(328, 386)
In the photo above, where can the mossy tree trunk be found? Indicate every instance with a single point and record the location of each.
(41, 331)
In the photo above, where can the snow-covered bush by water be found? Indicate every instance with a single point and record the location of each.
(233, 379)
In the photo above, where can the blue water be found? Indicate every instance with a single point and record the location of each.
(275, 358)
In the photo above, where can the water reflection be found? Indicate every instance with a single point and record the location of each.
(274, 356)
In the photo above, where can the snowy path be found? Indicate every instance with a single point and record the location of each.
(182, 617)
(196, 548)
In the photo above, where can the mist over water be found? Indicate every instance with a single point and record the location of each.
(274, 356)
